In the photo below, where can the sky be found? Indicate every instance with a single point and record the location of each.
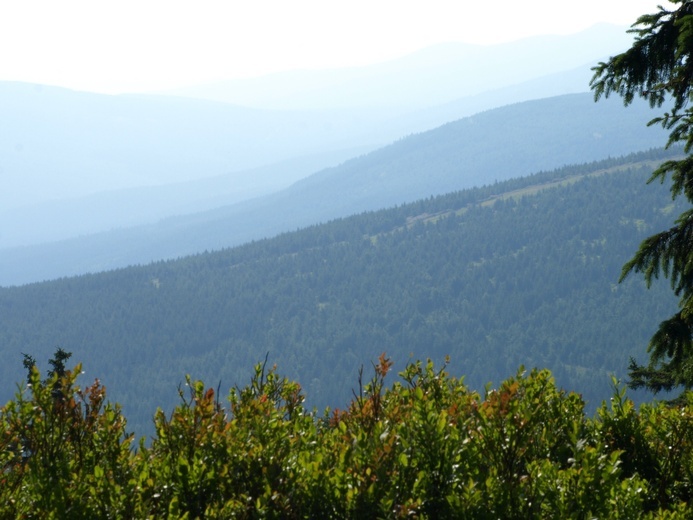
(147, 45)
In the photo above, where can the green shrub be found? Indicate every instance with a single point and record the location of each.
(424, 447)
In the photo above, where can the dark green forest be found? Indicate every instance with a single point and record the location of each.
(522, 272)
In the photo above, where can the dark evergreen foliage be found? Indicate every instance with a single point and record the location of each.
(658, 68)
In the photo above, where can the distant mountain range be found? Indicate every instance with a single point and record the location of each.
(491, 146)
(523, 272)
(57, 143)
(75, 163)
(430, 77)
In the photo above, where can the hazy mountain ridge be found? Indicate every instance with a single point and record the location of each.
(103, 211)
(63, 217)
(59, 143)
(78, 151)
(491, 146)
(431, 76)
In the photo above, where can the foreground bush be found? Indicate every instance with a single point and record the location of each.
(424, 447)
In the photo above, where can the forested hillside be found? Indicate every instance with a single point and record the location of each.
(517, 273)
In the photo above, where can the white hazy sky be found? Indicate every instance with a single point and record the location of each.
(138, 45)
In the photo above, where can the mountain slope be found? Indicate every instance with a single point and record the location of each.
(491, 146)
(493, 281)
(68, 212)
(64, 218)
(73, 163)
(59, 143)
